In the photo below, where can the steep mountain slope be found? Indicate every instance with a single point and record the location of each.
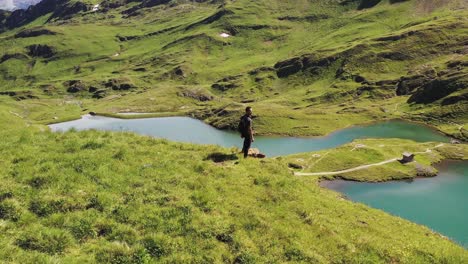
(334, 63)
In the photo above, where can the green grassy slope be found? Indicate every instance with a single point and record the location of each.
(98, 197)
(307, 67)
(372, 151)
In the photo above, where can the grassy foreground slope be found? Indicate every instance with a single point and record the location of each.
(101, 197)
(307, 67)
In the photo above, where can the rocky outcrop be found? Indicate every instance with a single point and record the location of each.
(227, 83)
(120, 84)
(408, 84)
(197, 94)
(310, 18)
(20, 95)
(38, 50)
(288, 67)
(34, 32)
(215, 17)
(19, 56)
(439, 88)
(307, 63)
(75, 86)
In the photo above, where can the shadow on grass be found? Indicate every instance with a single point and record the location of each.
(220, 157)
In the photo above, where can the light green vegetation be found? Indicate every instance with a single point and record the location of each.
(98, 197)
(166, 50)
(370, 151)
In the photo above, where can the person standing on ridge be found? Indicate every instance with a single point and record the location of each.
(245, 128)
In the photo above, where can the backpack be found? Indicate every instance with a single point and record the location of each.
(241, 127)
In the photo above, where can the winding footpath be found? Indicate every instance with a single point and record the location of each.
(360, 167)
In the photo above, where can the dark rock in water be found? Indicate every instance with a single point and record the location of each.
(75, 86)
(38, 50)
(19, 56)
(35, 32)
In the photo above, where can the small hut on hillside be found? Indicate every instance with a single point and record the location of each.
(407, 157)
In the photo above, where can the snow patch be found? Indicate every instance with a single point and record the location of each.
(224, 35)
(95, 8)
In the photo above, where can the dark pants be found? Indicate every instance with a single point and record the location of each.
(246, 147)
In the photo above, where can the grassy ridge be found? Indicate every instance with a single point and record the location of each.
(94, 197)
(370, 151)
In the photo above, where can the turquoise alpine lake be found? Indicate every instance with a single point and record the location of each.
(185, 129)
(439, 203)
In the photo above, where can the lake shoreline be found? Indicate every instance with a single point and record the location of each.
(135, 115)
(327, 183)
(376, 196)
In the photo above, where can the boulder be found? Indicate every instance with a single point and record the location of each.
(438, 89)
(254, 152)
(19, 56)
(39, 50)
(197, 94)
(34, 32)
(119, 84)
(288, 67)
(75, 86)
(407, 85)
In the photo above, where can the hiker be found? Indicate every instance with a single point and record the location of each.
(245, 128)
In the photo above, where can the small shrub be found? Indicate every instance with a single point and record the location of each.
(123, 233)
(4, 194)
(245, 258)
(157, 246)
(83, 230)
(120, 155)
(50, 241)
(44, 207)
(294, 254)
(122, 254)
(38, 182)
(95, 203)
(10, 210)
(104, 229)
(92, 145)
